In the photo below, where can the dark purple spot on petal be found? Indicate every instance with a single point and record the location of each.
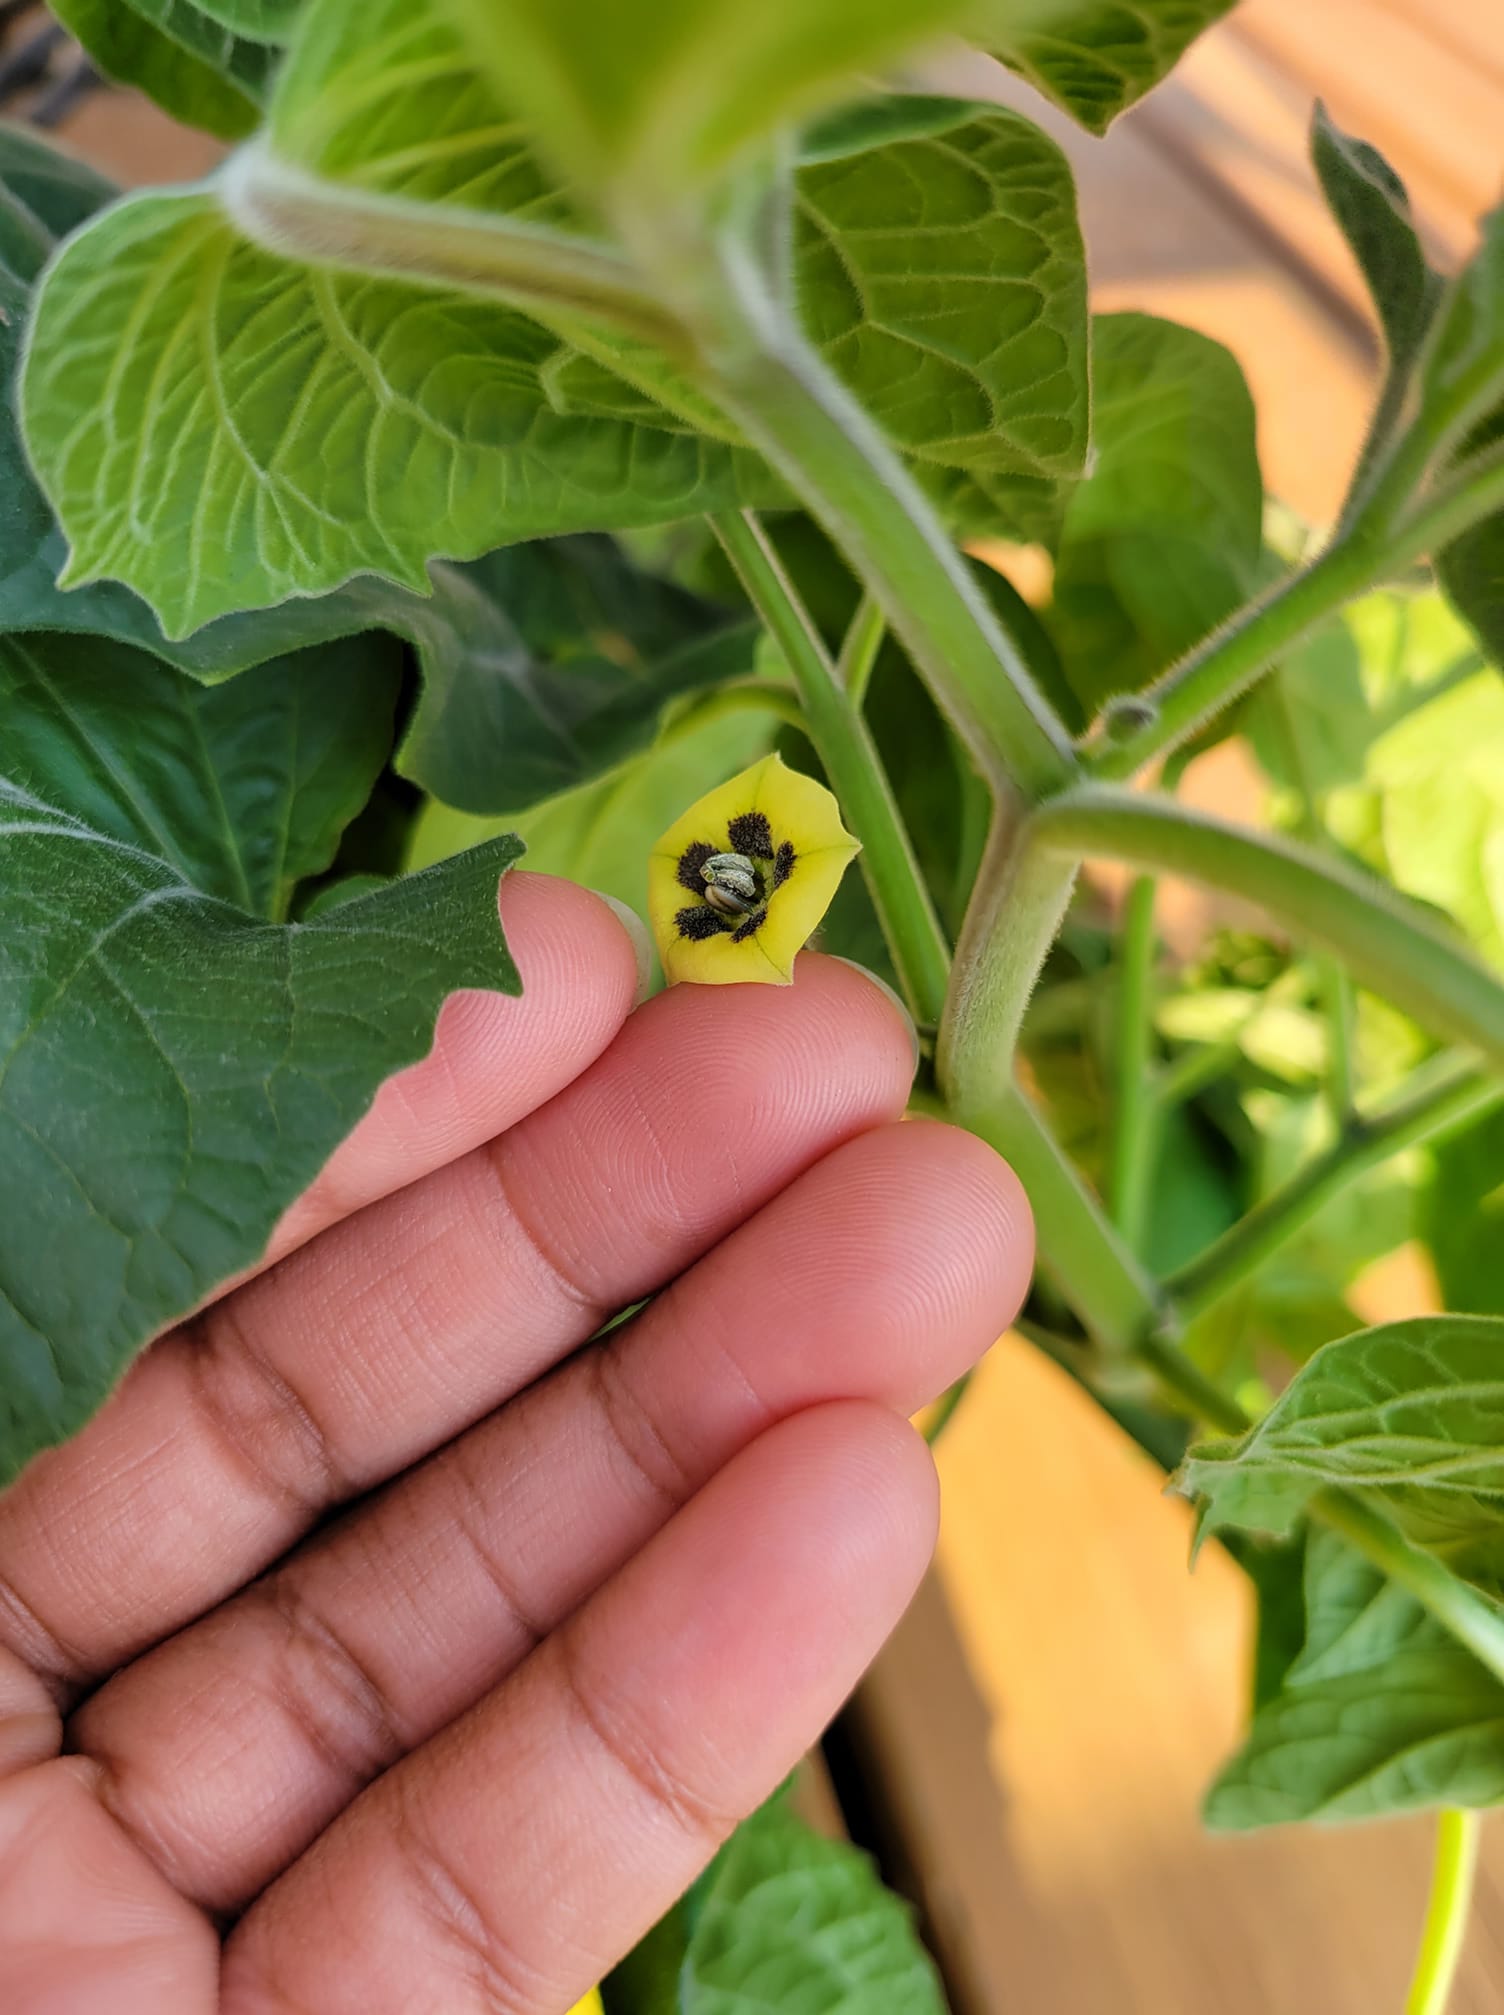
(783, 864)
(690, 863)
(699, 922)
(751, 834)
(749, 928)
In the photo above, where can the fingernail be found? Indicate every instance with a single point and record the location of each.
(642, 941)
(900, 1006)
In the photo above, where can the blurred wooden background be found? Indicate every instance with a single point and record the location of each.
(1046, 1720)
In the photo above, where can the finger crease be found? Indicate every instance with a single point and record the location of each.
(638, 1761)
(254, 1411)
(471, 1518)
(501, 1980)
(37, 1645)
(330, 1694)
(562, 1280)
(635, 1433)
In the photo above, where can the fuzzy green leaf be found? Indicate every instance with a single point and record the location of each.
(173, 1073)
(1161, 541)
(785, 1919)
(1372, 210)
(220, 429)
(189, 65)
(44, 194)
(1095, 58)
(1382, 1712)
(1409, 1414)
(663, 98)
(243, 789)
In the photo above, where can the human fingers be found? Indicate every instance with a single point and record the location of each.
(881, 1273)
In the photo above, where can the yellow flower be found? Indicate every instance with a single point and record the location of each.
(736, 886)
(591, 2005)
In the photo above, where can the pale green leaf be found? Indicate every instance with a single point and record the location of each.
(1095, 58)
(1161, 541)
(786, 1920)
(1410, 1414)
(663, 98)
(221, 430)
(188, 65)
(1382, 1712)
(1372, 210)
(257, 20)
(173, 1073)
(243, 789)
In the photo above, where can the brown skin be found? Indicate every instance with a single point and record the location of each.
(452, 1751)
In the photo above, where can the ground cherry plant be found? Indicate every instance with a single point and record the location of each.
(554, 414)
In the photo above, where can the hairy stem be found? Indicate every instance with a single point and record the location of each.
(767, 379)
(846, 748)
(1388, 944)
(1443, 1094)
(1135, 1113)
(1233, 658)
(1447, 1911)
(859, 648)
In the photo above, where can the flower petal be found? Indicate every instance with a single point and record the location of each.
(801, 816)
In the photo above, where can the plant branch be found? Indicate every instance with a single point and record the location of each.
(1443, 1094)
(761, 372)
(1389, 945)
(1135, 1119)
(544, 272)
(1230, 660)
(1447, 1909)
(859, 648)
(846, 748)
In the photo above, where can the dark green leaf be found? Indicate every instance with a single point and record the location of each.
(258, 20)
(242, 789)
(1471, 569)
(789, 1921)
(44, 194)
(190, 66)
(1411, 1414)
(1462, 1215)
(1372, 210)
(173, 1073)
(550, 664)
(1382, 1712)
(1096, 57)
(1162, 540)
(1462, 370)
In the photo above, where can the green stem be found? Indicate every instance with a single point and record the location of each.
(944, 1410)
(1135, 1115)
(1200, 1396)
(1096, 1272)
(765, 377)
(846, 748)
(1233, 658)
(302, 217)
(1389, 945)
(1447, 1911)
(859, 648)
(1442, 1094)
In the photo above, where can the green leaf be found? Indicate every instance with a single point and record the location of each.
(1462, 1214)
(1409, 1414)
(1462, 370)
(242, 789)
(44, 194)
(1162, 539)
(173, 1073)
(787, 1920)
(1095, 58)
(551, 664)
(662, 99)
(1372, 210)
(220, 429)
(1383, 1712)
(186, 63)
(257, 20)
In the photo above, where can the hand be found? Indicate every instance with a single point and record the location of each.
(384, 1625)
